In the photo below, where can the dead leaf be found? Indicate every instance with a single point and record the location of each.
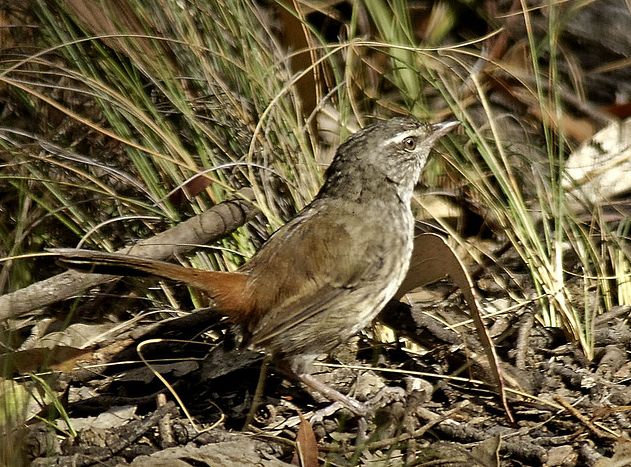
(488, 452)
(432, 260)
(600, 169)
(60, 358)
(306, 454)
(621, 455)
(426, 265)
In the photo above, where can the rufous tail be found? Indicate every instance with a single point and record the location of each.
(226, 289)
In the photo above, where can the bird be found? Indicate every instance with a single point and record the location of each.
(325, 274)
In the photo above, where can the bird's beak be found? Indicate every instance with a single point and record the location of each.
(441, 129)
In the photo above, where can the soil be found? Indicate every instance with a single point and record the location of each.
(431, 401)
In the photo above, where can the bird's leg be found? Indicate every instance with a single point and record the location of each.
(331, 394)
(298, 368)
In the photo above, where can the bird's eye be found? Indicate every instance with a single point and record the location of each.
(409, 143)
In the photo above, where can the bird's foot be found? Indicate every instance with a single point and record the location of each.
(339, 400)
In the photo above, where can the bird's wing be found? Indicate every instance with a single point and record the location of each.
(319, 264)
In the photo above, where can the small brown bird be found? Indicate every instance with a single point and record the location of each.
(327, 273)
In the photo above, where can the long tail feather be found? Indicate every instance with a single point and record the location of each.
(227, 289)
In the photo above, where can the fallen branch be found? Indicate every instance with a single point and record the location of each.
(204, 228)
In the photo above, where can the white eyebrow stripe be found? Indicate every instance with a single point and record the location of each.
(401, 136)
